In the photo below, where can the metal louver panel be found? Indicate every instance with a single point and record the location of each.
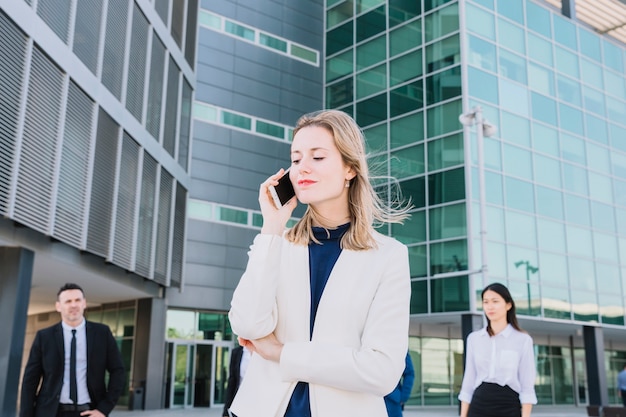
(190, 36)
(178, 14)
(185, 125)
(137, 64)
(125, 212)
(87, 32)
(178, 238)
(69, 219)
(33, 197)
(171, 108)
(13, 45)
(56, 14)
(155, 88)
(161, 258)
(102, 185)
(114, 45)
(145, 222)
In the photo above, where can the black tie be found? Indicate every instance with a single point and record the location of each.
(73, 389)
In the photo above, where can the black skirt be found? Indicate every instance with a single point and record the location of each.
(493, 400)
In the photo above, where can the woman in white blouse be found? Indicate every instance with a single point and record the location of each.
(500, 364)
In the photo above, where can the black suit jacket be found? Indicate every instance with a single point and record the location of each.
(233, 378)
(46, 362)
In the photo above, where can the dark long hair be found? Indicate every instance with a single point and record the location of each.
(511, 317)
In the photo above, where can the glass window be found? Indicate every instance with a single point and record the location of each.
(538, 19)
(590, 44)
(541, 79)
(415, 189)
(443, 53)
(371, 24)
(365, 5)
(304, 53)
(594, 100)
(549, 203)
(545, 139)
(564, 31)
(520, 229)
(547, 171)
(569, 90)
(540, 50)
(448, 256)
(444, 85)
(209, 19)
(614, 84)
(401, 11)
(482, 54)
(372, 110)
(571, 119)
(376, 138)
(556, 304)
(517, 162)
(406, 130)
(405, 68)
(515, 129)
(618, 164)
(339, 93)
(482, 85)
(513, 66)
(339, 66)
(339, 38)
(544, 108)
(480, 22)
(573, 149)
(514, 97)
(618, 134)
(513, 9)
(553, 269)
(270, 129)
(496, 259)
(431, 4)
(371, 81)
(204, 112)
(620, 215)
(443, 119)
(340, 13)
(598, 158)
(602, 216)
(413, 230)
(596, 129)
(493, 155)
(567, 62)
(575, 179)
(591, 73)
(405, 37)
(272, 42)
(372, 52)
(616, 110)
(407, 162)
(419, 297)
(519, 194)
(600, 188)
(511, 36)
(613, 56)
(583, 308)
(442, 22)
(180, 324)
(611, 307)
(447, 294)
(550, 236)
(447, 222)
(446, 186)
(236, 120)
(493, 188)
(578, 242)
(418, 262)
(577, 210)
(406, 98)
(495, 226)
(239, 30)
(445, 152)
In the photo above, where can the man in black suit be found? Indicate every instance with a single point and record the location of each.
(239, 359)
(93, 350)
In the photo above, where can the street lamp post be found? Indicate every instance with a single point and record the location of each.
(530, 269)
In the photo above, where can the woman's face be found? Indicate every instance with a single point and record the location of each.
(317, 171)
(494, 306)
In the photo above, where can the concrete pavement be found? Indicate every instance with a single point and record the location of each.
(412, 411)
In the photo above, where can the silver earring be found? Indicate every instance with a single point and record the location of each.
(347, 183)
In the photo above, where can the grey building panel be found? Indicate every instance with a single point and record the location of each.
(205, 275)
(206, 253)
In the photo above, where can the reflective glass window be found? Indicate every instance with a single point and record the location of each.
(406, 98)
(614, 84)
(376, 138)
(482, 54)
(492, 151)
(513, 9)
(540, 50)
(573, 149)
(514, 98)
(482, 85)
(371, 81)
(445, 152)
(549, 203)
(405, 68)
(480, 22)
(407, 162)
(538, 19)
(592, 73)
(272, 42)
(613, 56)
(541, 79)
(406, 130)
(611, 307)
(620, 215)
(544, 109)
(545, 139)
(515, 129)
(431, 4)
(418, 261)
(567, 62)
(575, 179)
(583, 309)
(401, 11)
(496, 258)
(339, 38)
(495, 226)
(444, 85)
(618, 165)
(239, 30)
(582, 274)
(579, 241)
(598, 158)
(564, 31)
(443, 119)
(521, 230)
(446, 186)
(517, 162)
(519, 194)
(365, 5)
(236, 120)
(617, 134)
(441, 22)
(616, 110)
(443, 53)
(590, 45)
(371, 24)
(448, 256)
(180, 324)
(555, 304)
(339, 93)
(405, 37)
(513, 66)
(413, 230)
(372, 110)
(487, 3)
(494, 189)
(571, 119)
(547, 171)
(340, 13)
(605, 246)
(553, 269)
(372, 52)
(577, 210)
(447, 222)
(596, 129)
(569, 90)
(415, 189)
(600, 188)
(511, 36)
(550, 236)
(446, 295)
(339, 66)
(419, 298)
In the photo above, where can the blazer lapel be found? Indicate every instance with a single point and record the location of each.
(59, 342)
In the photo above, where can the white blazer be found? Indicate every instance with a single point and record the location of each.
(360, 338)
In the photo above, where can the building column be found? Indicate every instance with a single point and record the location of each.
(596, 372)
(148, 369)
(568, 8)
(16, 272)
(469, 323)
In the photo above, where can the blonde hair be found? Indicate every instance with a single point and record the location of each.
(365, 206)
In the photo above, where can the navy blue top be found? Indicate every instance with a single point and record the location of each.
(322, 259)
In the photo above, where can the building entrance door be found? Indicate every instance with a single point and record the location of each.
(580, 382)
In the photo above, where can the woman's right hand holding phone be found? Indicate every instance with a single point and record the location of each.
(274, 219)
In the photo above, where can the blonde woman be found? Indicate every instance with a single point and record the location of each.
(324, 306)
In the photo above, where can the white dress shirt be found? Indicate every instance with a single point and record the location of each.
(504, 359)
(81, 364)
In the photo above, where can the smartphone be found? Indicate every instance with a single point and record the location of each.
(283, 192)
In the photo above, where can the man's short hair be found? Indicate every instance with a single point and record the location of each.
(70, 286)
